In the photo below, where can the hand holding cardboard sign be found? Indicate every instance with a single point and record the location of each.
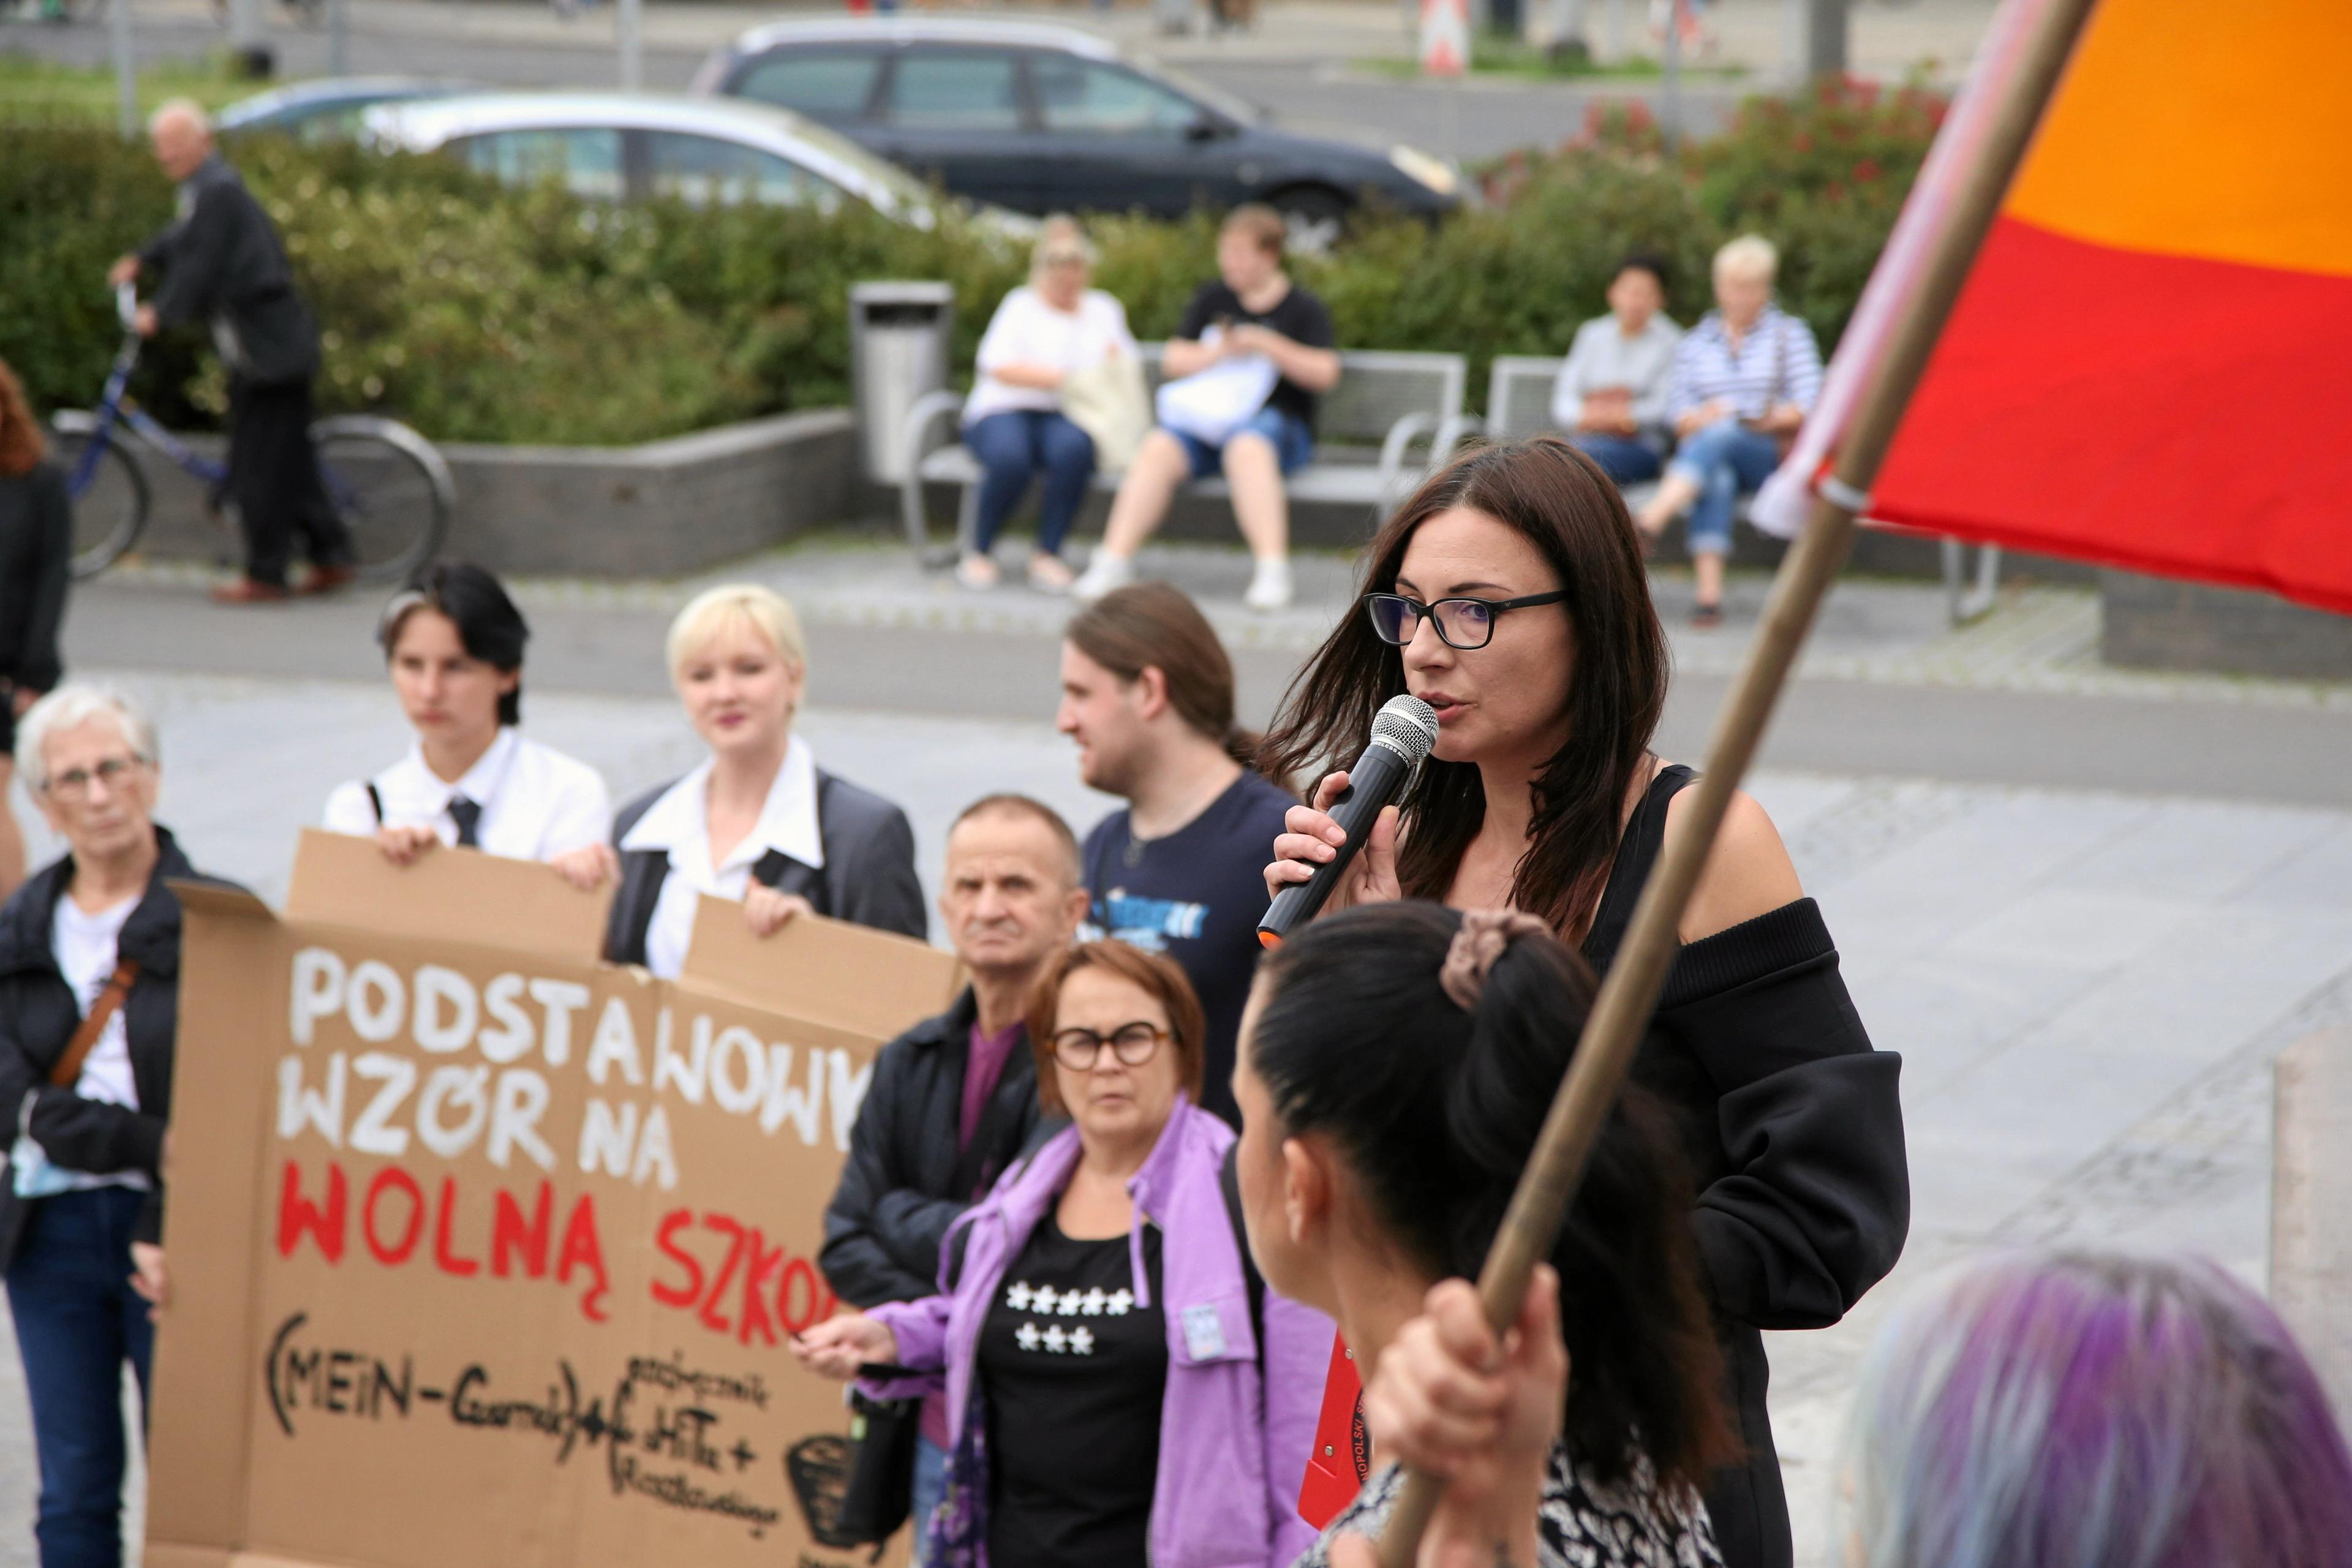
(837, 1347)
(768, 910)
(588, 867)
(401, 846)
(151, 1279)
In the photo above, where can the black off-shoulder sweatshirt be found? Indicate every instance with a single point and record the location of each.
(1795, 1129)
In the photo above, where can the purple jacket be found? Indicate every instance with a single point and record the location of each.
(1232, 1444)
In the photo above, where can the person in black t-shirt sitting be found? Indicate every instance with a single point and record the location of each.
(1148, 694)
(1253, 308)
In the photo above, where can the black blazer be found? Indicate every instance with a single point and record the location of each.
(38, 1016)
(223, 263)
(868, 875)
(905, 1181)
(36, 547)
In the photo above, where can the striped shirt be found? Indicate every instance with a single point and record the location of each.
(1777, 362)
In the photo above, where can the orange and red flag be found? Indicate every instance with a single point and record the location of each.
(2150, 364)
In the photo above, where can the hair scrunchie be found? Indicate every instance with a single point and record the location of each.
(1483, 938)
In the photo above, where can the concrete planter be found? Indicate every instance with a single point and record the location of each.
(657, 510)
(2155, 623)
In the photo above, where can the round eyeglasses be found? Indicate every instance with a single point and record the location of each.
(1463, 624)
(1132, 1044)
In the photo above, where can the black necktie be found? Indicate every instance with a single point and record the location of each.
(468, 815)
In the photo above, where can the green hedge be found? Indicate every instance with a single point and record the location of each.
(479, 313)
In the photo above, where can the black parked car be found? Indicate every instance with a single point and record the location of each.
(1047, 118)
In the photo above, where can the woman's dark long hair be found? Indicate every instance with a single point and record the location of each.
(489, 626)
(1436, 1110)
(1560, 502)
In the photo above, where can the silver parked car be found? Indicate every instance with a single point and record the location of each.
(617, 146)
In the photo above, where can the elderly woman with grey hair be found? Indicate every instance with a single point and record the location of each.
(1044, 332)
(89, 969)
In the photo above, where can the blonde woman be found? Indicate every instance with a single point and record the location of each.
(758, 822)
(1043, 332)
(1744, 380)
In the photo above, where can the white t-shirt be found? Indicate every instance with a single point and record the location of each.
(1027, 331)
(535, 801)
(85, 948)
(679, 822)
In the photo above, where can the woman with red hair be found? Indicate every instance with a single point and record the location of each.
(35, 545)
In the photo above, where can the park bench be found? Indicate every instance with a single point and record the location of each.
(1519, 405)
(1377, 433)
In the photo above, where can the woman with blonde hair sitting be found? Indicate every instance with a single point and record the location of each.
(1044, 332)
(758, 821)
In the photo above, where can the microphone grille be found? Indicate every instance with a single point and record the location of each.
(1406, 725)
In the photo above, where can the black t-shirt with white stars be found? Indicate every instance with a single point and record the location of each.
(1073, 1369)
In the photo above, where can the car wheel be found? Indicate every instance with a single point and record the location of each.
(1315, 219)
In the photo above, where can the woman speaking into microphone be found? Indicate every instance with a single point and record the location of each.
(1508, 594)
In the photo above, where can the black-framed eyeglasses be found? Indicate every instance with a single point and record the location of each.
(1465, 623)
(1132, 1044)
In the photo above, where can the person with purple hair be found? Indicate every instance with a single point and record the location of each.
(2082, 1410)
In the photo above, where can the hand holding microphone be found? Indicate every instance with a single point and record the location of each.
(1316, 861)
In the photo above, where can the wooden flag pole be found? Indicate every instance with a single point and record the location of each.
(1630, 992)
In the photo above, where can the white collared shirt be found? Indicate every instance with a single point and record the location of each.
(535, 801)
(679, 822)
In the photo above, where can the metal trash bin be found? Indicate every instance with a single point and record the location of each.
(899, 335)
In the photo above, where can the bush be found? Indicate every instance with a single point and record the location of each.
(480, 313)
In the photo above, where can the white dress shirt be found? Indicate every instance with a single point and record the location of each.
(535, 801)
(679, 822)
(85, 948)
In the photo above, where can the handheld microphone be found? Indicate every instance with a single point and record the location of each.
(1403, 731)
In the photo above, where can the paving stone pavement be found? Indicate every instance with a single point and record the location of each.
(2087, 988)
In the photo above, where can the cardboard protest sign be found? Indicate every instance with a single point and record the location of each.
(486, 1254)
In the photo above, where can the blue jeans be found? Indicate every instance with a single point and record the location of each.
(1723, 460)
(1626, 460)
(1293, 442)
(930, 1484)
(77, 1320)
(1011, 447)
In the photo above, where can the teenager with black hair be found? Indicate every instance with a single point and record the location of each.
(454, 644)
(1509, 594)
(1397, 1063)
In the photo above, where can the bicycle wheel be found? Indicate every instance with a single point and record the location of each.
(391, 488)
(110, 512)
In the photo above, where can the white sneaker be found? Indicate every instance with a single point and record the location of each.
(1269, 586)
(1104, 573)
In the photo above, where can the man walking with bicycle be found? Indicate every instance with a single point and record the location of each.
(222, 261)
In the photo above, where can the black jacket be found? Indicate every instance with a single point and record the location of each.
(38, 1016)
(36, 550)
(1794, 1126)
(905, 1183)
(223, 264)
(868, 875)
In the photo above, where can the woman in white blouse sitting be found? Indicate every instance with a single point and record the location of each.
(454, 644)
(759, 821)
(1045, 330)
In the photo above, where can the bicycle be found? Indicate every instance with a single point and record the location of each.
(388, 483)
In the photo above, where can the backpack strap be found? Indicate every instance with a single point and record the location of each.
(1229, 1180)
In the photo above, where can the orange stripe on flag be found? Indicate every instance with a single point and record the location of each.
(2216, 129)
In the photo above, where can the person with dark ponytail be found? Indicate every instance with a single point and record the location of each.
(1509, 594)
(1397, 1063)
(454, 643)
(1148, 694)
